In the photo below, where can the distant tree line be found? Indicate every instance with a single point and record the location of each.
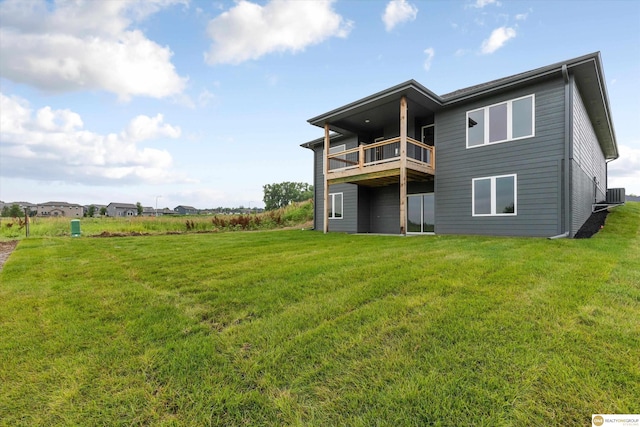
(13, 211)
(284, 193)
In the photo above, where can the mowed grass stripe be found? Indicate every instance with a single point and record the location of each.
(301, 328)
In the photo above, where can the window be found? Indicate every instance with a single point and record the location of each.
(335, 205)
(501, 122)
(334, 164)
(496, 195)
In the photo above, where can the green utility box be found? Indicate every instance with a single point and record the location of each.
(75, 228)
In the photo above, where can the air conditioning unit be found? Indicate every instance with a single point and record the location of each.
(615, 195)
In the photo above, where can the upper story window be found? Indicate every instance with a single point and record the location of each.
(334, 164)
(506, 121)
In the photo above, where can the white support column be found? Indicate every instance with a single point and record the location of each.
(403, 165)
(326, 182)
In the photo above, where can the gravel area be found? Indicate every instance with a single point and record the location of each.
(593, 225)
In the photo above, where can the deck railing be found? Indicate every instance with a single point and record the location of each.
(379, 153)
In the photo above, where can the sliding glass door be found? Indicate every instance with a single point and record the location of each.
(420, 213)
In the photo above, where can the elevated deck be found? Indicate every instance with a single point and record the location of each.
(380, 163)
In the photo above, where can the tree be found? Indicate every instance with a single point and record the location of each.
(91, 211)
(284, 193)
(140, 208)
(103, 211)
(14, 211)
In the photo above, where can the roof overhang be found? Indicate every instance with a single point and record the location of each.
(320, 141)
(366, 112)
(590, 80)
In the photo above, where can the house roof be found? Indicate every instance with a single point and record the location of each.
(587, 71)
(60, 204)
(123, 205)
(185, 207)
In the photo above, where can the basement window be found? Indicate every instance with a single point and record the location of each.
(494, 196)
(335, 205)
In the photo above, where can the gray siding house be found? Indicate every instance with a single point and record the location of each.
(524, 155)
(121, 209)
(186, 210)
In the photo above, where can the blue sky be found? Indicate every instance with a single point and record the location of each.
(204, 102)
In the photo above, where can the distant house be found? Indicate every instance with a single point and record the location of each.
(96, 211)
(22, 205)
(148, 211)
(121, 209)
(525, 155)
(166, 211)
(65, 209)
(186, 210)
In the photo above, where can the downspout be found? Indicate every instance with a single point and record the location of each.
(559, 236)
(325, 207)
(568, 132)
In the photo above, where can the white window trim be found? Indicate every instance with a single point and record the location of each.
(432, 125)
(332, 201)
(493, 195)
(422, 233)
(510, 137)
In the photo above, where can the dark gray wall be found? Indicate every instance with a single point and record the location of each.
(535, 160)
(587, 162)
(348, 223)
(384, 209)
(363, 210)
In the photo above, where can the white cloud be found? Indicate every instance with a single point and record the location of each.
(52, 145)
(482, 3)
(430, 52)
(497, 39)
(249, 31)
(205, 97)
(86, 45)
(144, 127)
(397, 12)
(625, 171)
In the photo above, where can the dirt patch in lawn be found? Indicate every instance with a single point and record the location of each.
(5, 250)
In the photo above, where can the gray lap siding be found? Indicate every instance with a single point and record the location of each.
(536, 161)
(349, 221)
(587, 163)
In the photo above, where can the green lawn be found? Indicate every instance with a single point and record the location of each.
(301, 328)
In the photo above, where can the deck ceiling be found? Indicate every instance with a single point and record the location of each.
(373, 119)
(380, 109)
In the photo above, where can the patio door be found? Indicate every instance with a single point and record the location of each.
(420, 213)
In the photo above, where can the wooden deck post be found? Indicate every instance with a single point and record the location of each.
(403, 165)
(326, 182)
